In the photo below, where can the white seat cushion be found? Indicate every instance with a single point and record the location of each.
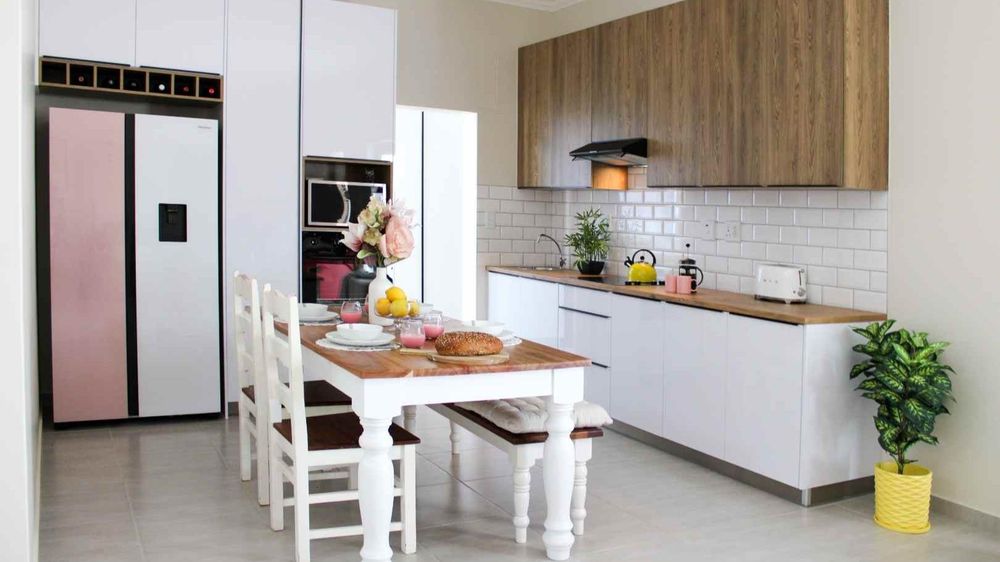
(528, 415)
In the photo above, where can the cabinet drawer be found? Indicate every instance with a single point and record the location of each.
(585, 300)
(585, 334)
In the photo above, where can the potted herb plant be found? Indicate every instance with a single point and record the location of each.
(903, 374)
(590, 241)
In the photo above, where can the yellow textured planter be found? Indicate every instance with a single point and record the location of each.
(903, 501)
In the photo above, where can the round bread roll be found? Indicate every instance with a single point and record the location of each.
(467, 344)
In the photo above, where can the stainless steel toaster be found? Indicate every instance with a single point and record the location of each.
(776, 282)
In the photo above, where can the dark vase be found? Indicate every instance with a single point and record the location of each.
(591, 267)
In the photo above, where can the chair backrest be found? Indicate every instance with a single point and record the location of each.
(280, 353)
(247, 328)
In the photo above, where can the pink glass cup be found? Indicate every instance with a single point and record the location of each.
(433, 325)
(350, 312)
(411, 334)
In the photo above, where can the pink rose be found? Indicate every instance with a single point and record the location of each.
(398, 240)
(353, 237)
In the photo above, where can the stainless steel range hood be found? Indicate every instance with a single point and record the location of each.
(624, 152)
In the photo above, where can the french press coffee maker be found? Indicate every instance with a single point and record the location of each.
(689, 271)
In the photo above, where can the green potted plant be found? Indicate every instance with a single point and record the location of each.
(590, 241)
(903, 374)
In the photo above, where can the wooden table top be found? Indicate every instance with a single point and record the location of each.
(528, 356)
(724, 301)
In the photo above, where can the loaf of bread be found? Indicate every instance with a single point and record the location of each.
(467, 344)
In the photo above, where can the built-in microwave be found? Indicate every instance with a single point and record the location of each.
(334, 204)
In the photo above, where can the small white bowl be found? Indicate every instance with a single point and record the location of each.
(312, 310)
(358, 332)
(486, 326)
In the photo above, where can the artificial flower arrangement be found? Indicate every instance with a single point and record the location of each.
(383, 231)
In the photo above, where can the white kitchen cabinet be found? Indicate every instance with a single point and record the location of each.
(763, 399)
(186, 34)
(526, 306)
(589, 335)
(694, 378)
(637, 362)
(96, 30)
(597, 385)
(261, 164)
(348, 80)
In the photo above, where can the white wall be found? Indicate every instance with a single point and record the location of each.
(944, 181)
(19, 418)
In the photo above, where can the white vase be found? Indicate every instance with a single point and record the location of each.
(376, 291)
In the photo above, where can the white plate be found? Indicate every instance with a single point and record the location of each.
(383, 339)
(320, 317)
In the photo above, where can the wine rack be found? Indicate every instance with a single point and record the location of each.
(99, 77)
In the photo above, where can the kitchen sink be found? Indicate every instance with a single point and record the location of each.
(543, 268)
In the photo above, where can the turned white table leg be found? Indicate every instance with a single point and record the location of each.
(522, 493)
(375, 489)
(557, 472)
(455, 437)
(410, 418)
(578, 510)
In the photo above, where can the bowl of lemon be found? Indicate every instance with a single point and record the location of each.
(396, 305)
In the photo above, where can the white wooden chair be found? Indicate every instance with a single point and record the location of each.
(320, 397)
(524, 449)
(319, 441)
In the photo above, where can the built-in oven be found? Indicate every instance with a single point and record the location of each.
(334, 204)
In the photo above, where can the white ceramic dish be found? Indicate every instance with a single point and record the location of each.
(359, 332)
(379, 340)
(485, 326)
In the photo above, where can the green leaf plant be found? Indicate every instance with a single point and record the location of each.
(903, 375)
(591, 239)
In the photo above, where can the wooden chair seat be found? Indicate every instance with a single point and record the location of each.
(522, 438)
(340, 431)
(317, 393)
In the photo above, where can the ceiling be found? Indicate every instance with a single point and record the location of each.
(545, 5)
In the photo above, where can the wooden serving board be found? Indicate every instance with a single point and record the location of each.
(471, 359)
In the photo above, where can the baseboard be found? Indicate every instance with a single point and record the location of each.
(966, 514)
(38, 492)
(805, 498)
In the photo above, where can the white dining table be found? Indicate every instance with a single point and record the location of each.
(385, 384)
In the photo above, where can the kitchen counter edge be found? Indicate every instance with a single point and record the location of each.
(722, 301)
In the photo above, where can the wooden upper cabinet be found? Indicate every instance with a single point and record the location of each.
(620, 86)
(733, 132)
(676, 80)
(805, 91)
(554, 110)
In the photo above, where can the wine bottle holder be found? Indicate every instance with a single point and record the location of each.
(83, 75)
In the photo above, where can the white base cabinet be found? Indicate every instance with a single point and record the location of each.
(637, 363)
(769, 397)
(694, 378)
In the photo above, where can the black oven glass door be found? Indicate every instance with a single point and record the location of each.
(337, 203)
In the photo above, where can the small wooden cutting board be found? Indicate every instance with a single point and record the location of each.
(456, 359)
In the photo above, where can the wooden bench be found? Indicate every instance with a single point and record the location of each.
(524, 449)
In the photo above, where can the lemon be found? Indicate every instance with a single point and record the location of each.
(395, 294)
(382, 307)
(399, 308)
(414, 308)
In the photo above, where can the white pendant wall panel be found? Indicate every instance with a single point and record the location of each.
(694, 378)
(96, 30)
(348, 80)
(407, 180)
(764, 397)
(177, 283)
(181, 34)
(261, 134)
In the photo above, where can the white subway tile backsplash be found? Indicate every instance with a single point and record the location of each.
(839, 235)
(848, 199)
(781, 216)
(823, 199)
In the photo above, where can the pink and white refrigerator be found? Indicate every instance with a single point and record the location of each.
(134, 265)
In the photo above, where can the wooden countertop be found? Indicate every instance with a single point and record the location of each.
(724, 301)
(527, 356)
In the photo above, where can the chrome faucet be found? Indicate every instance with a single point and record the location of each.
(562, 260)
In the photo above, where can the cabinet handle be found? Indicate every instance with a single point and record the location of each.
(596, 364)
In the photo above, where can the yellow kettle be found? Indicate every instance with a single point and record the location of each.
(639, 270)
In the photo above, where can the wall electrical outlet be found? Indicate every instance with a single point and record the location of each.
(729, 231)
(705, 230)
